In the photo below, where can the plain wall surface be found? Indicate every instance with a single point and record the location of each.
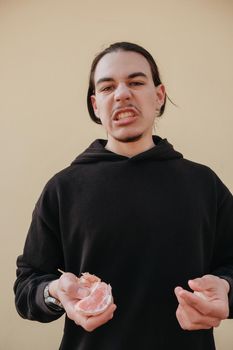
(46, 48)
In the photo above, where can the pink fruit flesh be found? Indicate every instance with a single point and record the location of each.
(97, 301)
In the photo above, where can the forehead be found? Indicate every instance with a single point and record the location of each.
(120, 64)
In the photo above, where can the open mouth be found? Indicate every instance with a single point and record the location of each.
(124, 115)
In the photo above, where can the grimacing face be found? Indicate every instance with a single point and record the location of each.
(126, 99)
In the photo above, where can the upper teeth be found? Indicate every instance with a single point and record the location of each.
(125, 115)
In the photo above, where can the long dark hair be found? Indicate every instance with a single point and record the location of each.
(121, 46)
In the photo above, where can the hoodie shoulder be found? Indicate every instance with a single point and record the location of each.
(199, 171)
(97, 152)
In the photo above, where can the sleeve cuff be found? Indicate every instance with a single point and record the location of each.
(40, 302)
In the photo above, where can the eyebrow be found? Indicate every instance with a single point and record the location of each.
(130, 76)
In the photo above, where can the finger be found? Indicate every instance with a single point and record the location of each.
(204, 283)
(185, 322)
(70, 285)
(204, 306)
(198, 326)
(190, 319)
(92, 322)
(177, 291)
(67, 281)
(195, 301)
(196, 318)
(211, 286)
(88, 278)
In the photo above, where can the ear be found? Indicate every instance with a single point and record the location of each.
(94, 104)
(160, 94)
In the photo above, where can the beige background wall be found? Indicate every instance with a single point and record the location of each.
(46, 48)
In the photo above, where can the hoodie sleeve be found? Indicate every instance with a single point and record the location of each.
(223, 253)
(29, 293)
(41, 257)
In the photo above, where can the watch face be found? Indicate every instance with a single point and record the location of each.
(52, 302)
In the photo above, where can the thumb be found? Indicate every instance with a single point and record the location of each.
(71, 286)
(199, 286)
(196, 284)
(202, 284)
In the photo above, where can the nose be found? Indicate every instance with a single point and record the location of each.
(122, 92)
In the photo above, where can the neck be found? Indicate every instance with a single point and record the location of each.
(129, 149)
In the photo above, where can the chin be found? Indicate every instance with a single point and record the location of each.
(129, 138)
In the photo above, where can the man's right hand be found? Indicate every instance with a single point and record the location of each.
(68, 290)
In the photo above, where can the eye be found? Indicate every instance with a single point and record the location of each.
(106, 88)
(136, 83)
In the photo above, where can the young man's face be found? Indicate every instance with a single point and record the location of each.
(126, 98)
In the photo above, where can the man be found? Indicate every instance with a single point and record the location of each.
(133, 211)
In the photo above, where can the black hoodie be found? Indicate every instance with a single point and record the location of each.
(145, 225)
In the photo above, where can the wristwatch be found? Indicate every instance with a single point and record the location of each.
(52, 302)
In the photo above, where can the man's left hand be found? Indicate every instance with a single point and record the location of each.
(206, 306)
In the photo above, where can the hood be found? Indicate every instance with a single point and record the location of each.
(96, 152)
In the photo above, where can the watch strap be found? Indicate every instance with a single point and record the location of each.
(52, 302)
